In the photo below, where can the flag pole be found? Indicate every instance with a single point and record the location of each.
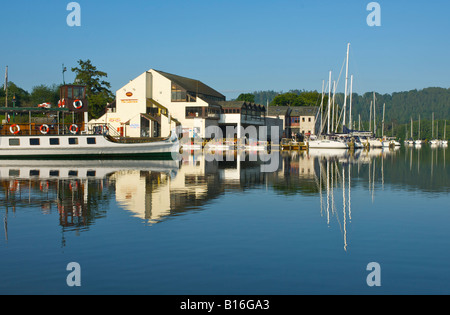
(6, 87)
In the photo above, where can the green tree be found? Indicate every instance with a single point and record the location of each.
(98, 90)
(247, 97)
(43, 93)
(22, 97)
(287, 99)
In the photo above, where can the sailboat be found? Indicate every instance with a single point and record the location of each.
(327, 141)
(418, 142)
(445, 142)
(373, 141)
(411, 140)
(433, 142)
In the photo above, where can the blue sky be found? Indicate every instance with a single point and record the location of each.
(233, 46)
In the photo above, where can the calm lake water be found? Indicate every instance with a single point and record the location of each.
(206, 227)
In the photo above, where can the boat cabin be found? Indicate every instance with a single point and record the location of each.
(69, 116)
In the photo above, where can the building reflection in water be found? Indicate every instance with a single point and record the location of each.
(81, 191)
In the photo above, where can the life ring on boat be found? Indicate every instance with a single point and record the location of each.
(73, 129)
(62, 104)
(77, 104)
(44, 129)
(14, 129)
(73, 186)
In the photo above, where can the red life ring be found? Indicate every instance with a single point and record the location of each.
(63, 103)
(73, 129)
(14, 132)
(77, 104)
(44, 129)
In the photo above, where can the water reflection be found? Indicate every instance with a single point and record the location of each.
(82, 191)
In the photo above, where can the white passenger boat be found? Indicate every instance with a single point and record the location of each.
(80, 140)
(84, 146)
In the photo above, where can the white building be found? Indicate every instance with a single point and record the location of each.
(156, 102)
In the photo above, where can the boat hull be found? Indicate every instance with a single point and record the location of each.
(327, 144)
(83, 147)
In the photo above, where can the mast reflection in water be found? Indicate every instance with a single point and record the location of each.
(332, 206)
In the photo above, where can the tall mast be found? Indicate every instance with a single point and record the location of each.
(384, 108)
(351, 97)
(329, 103)
(6, 87)
(432, 126)
(334, 94)
(374, 116)
(321, 107)
(346, 83)
(419, 128)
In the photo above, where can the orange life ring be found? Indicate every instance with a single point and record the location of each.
(44, 129)
(72, 130)
(14, 132)
(77, 104)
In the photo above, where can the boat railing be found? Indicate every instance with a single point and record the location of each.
(33, 129)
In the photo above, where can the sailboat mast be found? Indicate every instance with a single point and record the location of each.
(329, 103)
(382, 131)
(346, 83)
(419, 128)
(432, 126)
(374, 116)
(351, 97)
(6, 87)
(334, 95)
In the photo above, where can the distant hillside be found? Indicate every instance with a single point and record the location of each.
(400, 106)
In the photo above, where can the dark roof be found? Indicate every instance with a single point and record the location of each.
(278, 110)
(192, 85)
(304, 110)
(239, 104)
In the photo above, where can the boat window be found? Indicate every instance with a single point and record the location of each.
(34, 173)
(14, 173)
(34, 141)
(14, 142)
(73, 173)
(90, 140)
(90, 173)
(54, 141)
(54, 173)
(73, 140)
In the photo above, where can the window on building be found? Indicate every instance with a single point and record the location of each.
(303, 119)
(178, 93)
(309, 119)
(194, 112)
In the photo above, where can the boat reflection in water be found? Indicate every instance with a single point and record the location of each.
(154, 191)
